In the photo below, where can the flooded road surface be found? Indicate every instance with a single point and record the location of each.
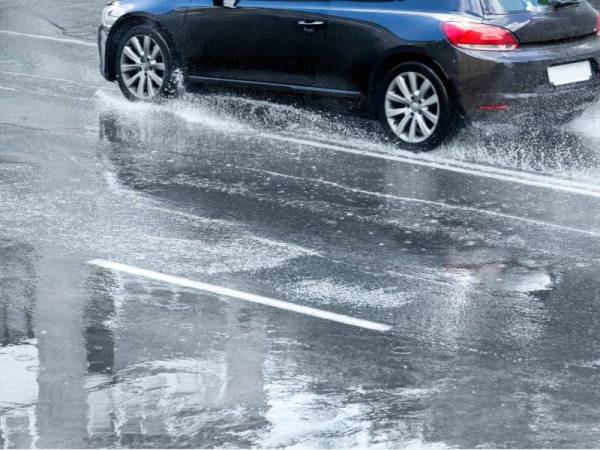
(481, 258)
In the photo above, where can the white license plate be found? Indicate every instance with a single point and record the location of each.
(570, 73)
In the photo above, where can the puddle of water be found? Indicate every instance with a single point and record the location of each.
(567, 151)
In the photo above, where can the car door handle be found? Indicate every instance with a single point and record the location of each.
(310, 25)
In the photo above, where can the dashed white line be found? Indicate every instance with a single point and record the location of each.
(240, 295)
(49, 38)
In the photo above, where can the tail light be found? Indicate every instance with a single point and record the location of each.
(598, 25)
(495, 107)
(478, 36)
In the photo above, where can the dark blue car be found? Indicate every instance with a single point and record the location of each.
(422, 66)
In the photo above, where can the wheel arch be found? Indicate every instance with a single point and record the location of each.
(400, 56)
(121, 27)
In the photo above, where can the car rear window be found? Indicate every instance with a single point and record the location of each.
(516, 6)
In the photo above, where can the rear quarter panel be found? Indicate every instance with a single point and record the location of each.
(362, 35)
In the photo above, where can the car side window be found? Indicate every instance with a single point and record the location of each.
(420, 5)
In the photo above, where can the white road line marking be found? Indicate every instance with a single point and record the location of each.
(433, 157)
(239, 295)
(61, 80)
(434, 203)
(46, 94)
(527, 179)
(41, 77)
(49, 38)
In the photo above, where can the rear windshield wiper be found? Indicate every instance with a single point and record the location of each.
(562, 3)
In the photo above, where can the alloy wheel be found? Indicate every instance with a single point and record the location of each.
(412, 107)
(143, 67)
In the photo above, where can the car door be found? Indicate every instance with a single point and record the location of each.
(263, 41)
(355, 42)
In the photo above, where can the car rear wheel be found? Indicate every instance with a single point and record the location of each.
(145, 66)
(414, 107)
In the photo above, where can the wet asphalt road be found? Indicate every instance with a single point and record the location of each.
(482, 257)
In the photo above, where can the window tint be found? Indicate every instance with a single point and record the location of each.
(423, 5)
(516, 6)
(429, 5)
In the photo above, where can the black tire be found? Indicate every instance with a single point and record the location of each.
(170, 85)
(447, 121)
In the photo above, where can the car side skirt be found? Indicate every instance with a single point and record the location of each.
(277, 86)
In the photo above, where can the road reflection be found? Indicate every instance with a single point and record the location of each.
(90, 360)
(162, 371)
(495, 330)
(19, 362)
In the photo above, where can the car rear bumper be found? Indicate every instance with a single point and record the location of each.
(494, 85)
(543, 107)
(102, 43)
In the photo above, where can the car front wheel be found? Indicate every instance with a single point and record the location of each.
(145, 66)
(414, 107)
